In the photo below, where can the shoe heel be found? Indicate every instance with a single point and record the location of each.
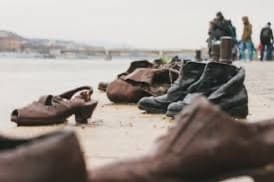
(84, 113)
(239, 111)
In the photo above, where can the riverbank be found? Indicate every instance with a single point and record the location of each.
(120, 131)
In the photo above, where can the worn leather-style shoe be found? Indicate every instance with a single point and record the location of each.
(120, 91)
(141, 83)
(143, 79)
(56, 109)
(223, 85)
(189, 74)
(54, 157)
(206, 145)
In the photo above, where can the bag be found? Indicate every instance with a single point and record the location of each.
(266, 34)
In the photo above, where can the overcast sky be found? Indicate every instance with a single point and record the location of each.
(140, 23)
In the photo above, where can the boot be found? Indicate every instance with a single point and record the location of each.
(55, 157)
(223, 85)
(189, 74)
(232, 97)
(51, 109)
(205, 145)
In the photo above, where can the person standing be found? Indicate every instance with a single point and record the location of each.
(266, 38)
(235, 42)
(246, 42)
(218, 28)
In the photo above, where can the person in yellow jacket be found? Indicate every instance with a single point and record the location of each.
(246, 42)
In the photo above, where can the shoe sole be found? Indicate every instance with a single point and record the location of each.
(172, 114)
(152, 110)
(240, 112)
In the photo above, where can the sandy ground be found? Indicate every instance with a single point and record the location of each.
(121, 131)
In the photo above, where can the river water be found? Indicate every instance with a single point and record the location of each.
(24, 80)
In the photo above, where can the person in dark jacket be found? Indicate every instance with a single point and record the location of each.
(221, 27)
(266, 38)
(235, 41)
(218, 28)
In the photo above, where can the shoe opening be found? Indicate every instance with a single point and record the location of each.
(14, 115)
(48, 101)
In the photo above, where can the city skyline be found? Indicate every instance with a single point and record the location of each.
(142, 23)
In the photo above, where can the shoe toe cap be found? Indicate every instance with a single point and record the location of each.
(175, 108)
(151, 105)
(146, 102)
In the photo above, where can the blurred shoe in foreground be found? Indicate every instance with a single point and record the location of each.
(55, 157)
(205, 145)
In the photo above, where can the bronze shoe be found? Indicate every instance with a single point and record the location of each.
(56, 109)
(55, 157)
(205, 145)
(141, 83)
(142, 79)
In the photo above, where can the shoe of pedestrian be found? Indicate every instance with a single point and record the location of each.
(189, 74)
(206, 145)
(223, 85)
(55, 157)
(52, 109)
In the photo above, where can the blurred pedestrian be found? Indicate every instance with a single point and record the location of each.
(234, 38)
(246, 42)
(266, 38)
(218, 28)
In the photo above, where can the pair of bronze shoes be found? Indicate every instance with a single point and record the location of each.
(52, 109)
(205, 145)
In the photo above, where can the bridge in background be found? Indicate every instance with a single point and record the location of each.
(108, 54)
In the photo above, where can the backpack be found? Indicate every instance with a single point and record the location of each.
(266, 34)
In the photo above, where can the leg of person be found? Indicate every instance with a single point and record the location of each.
(242, 50)
(269, 51)
(262, 52)
(249, 47)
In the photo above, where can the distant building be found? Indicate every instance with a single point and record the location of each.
(10, 42)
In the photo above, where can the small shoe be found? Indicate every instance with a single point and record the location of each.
(51, 109)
